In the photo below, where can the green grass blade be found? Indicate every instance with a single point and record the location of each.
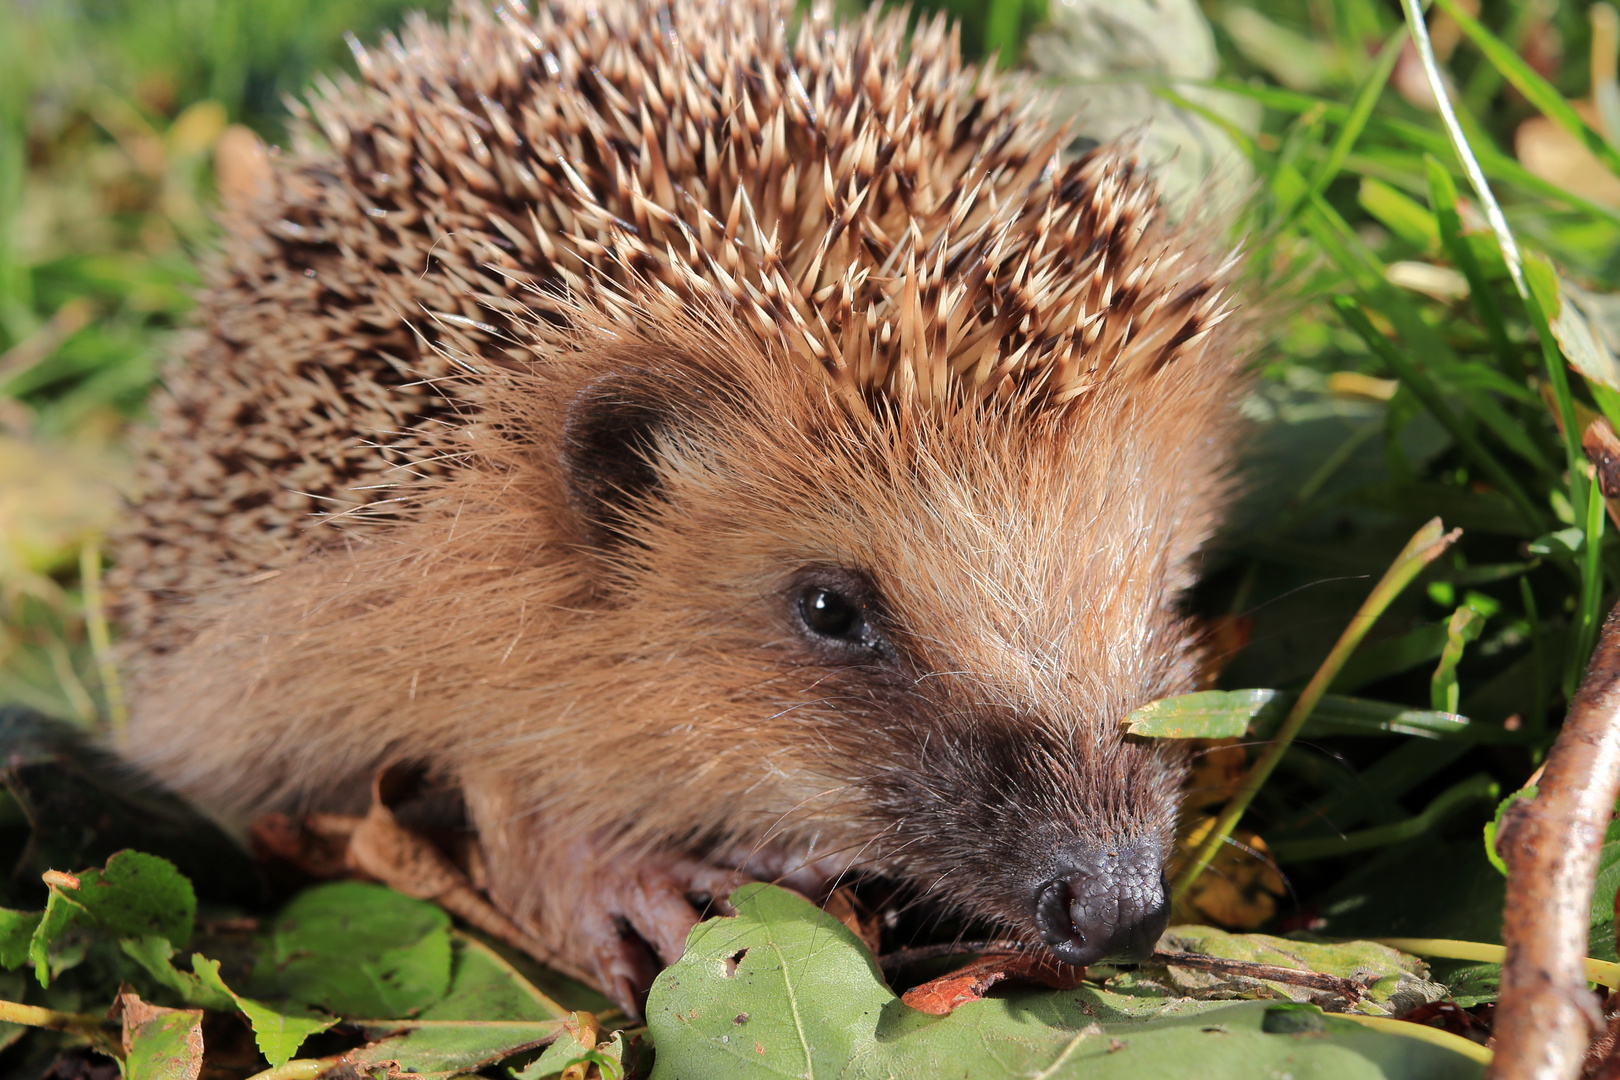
(1257, 714)
(1459, 143)
(1486, 80)
(1426, 545)
(1239, 137)
(1403, 216)
(1465, 625)
(1512, 433)
(1361, 109)
(1443, 201)
(1608, 401)
(1341, 243)
(1002, 24)
(1538, 91)
(1591, 609)
(1428, 393)
(1480, 788)
(1336, 461)
(1496, 165)
(1541, 304)
(1288, 184)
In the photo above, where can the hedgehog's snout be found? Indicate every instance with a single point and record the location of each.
(1106, 903)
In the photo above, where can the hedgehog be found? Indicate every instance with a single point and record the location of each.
(717, 442)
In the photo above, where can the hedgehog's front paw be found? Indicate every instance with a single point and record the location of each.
(631, 919)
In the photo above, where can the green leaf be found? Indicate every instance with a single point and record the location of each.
(1233, 714)
(1474, 789)
(1601, 940)
(1337, 715)
(278, 1034)
(16, 932)
(61, 912)
(490, 1012)
(577, 1046)
(1395, 980)
(360, 950)
(136, 895)
(1563, 544)
(485, 986)
(782, 989)
(1403, 216)
(1495, 823)
(82, 808)
(1470, 984)
(156, 955)
(139, 895)
(169, 1046)
(1585, 324)
(1205, 714)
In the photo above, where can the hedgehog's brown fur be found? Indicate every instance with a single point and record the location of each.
(848, 313)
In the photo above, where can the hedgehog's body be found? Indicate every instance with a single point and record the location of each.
(738, 447)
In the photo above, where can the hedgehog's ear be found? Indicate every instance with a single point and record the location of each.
(609, 450)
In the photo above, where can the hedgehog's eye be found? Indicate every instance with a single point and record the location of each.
(833, 615)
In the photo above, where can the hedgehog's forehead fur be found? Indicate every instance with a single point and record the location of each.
(518, 186)
(885, 215)
(996, 527)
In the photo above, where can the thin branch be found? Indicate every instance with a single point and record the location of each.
(900, 959)
(93, 1028)
(1550, 843)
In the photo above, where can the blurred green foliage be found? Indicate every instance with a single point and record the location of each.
(108, 112)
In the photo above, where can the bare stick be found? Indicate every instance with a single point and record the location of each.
(93, 1028)
(1546, 1015)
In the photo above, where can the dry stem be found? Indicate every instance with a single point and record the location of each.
(1547, 1016)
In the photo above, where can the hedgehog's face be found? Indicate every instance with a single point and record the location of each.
(932, 633)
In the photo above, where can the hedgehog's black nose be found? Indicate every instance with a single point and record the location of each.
(1106, 904)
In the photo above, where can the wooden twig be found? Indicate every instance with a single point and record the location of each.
(100, 1033)
(900, 959)
(1546, 1015)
